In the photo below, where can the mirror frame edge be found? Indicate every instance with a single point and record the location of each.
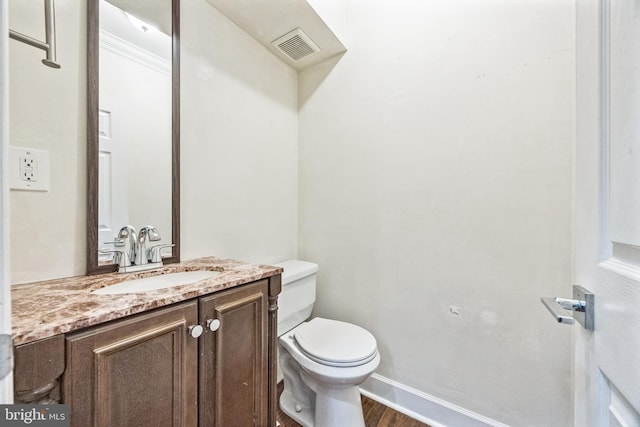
(93, 148)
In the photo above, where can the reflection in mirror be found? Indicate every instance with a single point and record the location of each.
(133, 124)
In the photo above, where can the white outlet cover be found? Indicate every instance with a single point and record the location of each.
(35, 165)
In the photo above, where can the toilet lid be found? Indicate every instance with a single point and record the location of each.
(335, 343)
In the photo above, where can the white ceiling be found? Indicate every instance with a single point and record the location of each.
(267, 20)
(154, 12)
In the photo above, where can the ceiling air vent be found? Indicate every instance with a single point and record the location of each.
(296, 45)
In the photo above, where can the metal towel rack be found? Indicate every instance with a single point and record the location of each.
(49, 45)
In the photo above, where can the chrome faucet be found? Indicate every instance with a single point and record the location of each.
(136, 253)
(147, 234)
(125, 247)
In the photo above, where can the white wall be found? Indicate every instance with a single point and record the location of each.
(239, 143)
(6, 382)
(435, 171)
(239, 136)
(48, 112)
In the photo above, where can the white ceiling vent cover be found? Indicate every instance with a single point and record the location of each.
(296, 45)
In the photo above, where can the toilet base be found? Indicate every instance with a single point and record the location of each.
(304, 417)
(338, 407)
(341, 407)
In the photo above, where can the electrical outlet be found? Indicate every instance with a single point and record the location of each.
(28, 169)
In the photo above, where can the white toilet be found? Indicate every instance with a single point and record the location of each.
(323, 361)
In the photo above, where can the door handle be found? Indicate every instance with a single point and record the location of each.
(581, 305)
(558, 310)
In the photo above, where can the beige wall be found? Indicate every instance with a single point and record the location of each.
(239, 133)
(435, 171)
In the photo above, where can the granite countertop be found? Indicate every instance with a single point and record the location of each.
(51, 307)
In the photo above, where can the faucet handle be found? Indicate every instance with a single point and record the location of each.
(154, 236)
(121, 257)
(126, 232)
(117, 243)
(149, 233)
(154, 252)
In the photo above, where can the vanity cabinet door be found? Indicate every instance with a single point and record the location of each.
(140, 371)
(234, 386)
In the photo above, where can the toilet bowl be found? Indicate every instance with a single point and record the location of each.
(322, 360)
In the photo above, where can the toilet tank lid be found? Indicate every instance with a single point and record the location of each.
(295, 269)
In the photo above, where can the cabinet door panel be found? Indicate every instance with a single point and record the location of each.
(233, 359)
(135, 372)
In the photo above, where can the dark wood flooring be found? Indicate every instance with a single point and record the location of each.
(375, 415)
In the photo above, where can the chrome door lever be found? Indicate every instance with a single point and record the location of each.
(582, 306)
(557, 310)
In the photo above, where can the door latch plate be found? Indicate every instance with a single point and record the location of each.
(586, 317)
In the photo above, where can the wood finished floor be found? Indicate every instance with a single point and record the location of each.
(375, 415)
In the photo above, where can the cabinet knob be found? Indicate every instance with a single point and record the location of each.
(195, 331)
(213, 324)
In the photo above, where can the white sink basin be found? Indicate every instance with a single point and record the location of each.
(153, 283)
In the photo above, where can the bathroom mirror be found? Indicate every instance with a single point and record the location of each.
(133, 127)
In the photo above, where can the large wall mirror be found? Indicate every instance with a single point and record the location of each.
(133, 126)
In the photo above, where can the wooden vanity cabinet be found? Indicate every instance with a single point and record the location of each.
(37, 371)
(148, 370)
(233, 359)
(140, 371)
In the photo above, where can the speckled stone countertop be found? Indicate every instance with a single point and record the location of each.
(51, 307)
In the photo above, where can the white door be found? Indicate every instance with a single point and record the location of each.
(113, 177)
(607, 211)
(113, 158)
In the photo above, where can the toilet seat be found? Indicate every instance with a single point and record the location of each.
(335, 343)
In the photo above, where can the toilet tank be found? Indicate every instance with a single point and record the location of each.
(298, 294)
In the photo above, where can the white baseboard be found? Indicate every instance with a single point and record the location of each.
(422, 406)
